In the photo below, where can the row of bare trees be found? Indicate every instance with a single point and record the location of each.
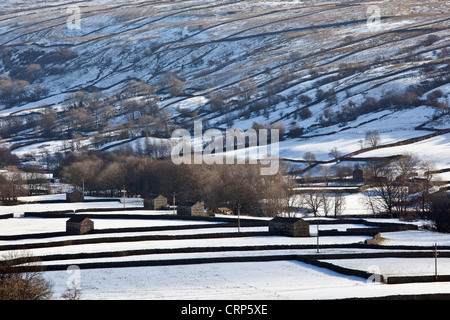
(397, 185)
(237, 186)
(14, 91)
(317, 198)
(318, 202)
(85, 112)
(401, 186)
(15, 183)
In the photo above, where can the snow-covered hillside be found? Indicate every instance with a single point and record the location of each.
(317, 68)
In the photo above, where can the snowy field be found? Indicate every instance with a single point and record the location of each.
(397, 266)
(283, 279)
(232, 281)
(270, 280)
(28, 225)
(19, 210)
(286, 49)
(392, 127)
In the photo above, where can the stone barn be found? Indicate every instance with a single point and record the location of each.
(358, 175)
(75, 196)
(155, 202)
(79, 225)
(290, 227)
(191, 209)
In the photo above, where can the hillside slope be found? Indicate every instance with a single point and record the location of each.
(323, 71)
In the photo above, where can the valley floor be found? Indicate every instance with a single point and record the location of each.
(178, 259)
(234, 281)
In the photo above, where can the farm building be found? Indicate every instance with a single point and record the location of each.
(291, 227)
(191, 208)
(79, 225)
(75, 196)
(358, 175)
(155, 202)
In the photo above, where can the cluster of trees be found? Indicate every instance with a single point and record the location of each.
(13, 91)
(25, 67)
(321, 200)
(317, 202)
(87, 112)
(12, 185)
(90, 111)
(12, 125)
(58, 56)
(15, 183)
(247, 99)
(7, 158)
(173, 83)
(351, 111)
(237, 186)
(348, 69)
(404, 187)
(397, 186)
(29, 73)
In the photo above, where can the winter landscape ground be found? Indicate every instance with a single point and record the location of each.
(167, 264)
(92, 90)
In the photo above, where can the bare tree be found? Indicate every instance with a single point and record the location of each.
(342, 172)
(338, 204)
(47, 122)
(371, 201)
(373, 138)
(36, 180)
(78, 99)
(7, 158)
(293, 199)
(72, 293)
(309, 157)
(313, 201)
(334, 153)
(383, 196)
(177, 87)
(22, 283)
(12, 185)
(325, 172)
(425, 185)
(327, 203)
(174, 84)
(216, 99)
(406, 168)
(392, 182)
(246, 88)
(388, 190)
(361, 144)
